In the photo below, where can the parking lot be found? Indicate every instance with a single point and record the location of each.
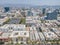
(14, 21)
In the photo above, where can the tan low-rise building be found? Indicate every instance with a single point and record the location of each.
(19, 36)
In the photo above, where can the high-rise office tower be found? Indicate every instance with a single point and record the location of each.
(6, 9)
(52, 15)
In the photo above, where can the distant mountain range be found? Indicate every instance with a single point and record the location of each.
(28, 6)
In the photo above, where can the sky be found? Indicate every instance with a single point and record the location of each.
(31, 2)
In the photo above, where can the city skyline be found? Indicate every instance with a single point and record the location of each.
(29, 22)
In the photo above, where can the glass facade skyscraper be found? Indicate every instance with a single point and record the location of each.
(52, 16)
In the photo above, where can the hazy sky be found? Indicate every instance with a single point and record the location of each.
(31, 2)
